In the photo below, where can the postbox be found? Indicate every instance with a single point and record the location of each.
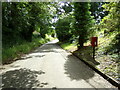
(94, 41)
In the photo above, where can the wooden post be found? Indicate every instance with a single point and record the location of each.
(94, 53)
(94, 43)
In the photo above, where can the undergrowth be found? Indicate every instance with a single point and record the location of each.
(11, 53)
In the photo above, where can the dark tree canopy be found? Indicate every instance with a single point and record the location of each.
(83, 21)
(98, 11)
(20, 20)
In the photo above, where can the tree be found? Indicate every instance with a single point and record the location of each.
(98, 11)
(111, 25)
(63, 28)
(83, 21)
(20, 19)
(11, 22)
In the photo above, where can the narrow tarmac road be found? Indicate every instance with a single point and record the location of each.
(49, 66)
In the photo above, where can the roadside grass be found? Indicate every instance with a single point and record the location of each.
(106, 63)
(15, 52)
(68, 46)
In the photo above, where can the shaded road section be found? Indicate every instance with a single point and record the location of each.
(49, 66)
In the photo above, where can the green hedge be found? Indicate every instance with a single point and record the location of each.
(12, 53)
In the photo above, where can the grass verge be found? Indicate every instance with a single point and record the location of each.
(11, 54)
(68, 46)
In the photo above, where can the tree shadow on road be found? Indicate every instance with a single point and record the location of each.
(31, 56)
(76, 70)
(21, 78)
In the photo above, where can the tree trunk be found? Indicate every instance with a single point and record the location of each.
(30, 36)
(27, 35)
(80, 42)
(42, 35)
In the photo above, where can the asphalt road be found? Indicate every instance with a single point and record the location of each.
(49, 66)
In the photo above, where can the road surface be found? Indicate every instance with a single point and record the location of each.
(49, 66)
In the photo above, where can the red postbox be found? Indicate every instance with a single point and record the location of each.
(94, 41)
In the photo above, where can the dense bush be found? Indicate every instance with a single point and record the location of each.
(12, 53)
